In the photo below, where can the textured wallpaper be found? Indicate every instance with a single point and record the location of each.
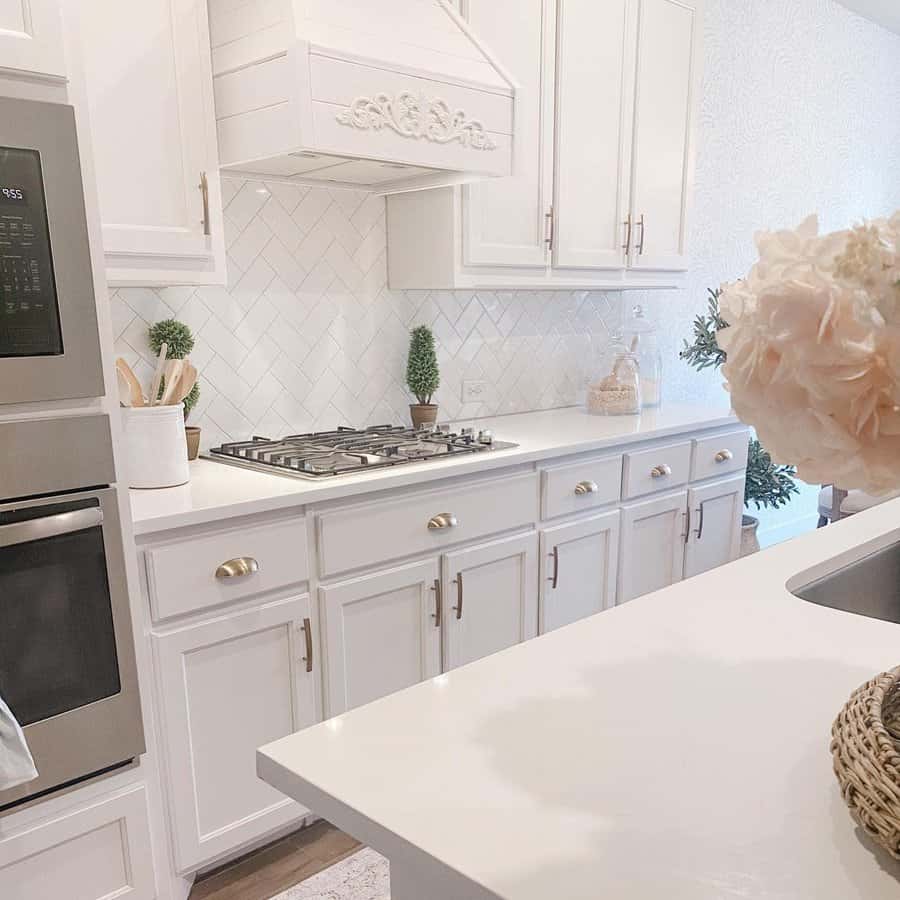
(800, 113)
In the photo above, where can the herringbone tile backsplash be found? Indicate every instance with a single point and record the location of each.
(307, 336)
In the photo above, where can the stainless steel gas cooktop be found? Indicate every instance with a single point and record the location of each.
(328, 453)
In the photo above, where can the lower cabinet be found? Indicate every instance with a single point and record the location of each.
(579, 563)
(491, 598)
(715, 521)
(394, 628)
(652, 545)
(228, 686)
(382, 633)
(96, 852)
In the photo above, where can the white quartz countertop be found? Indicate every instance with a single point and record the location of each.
(675, 747)
(218, 491)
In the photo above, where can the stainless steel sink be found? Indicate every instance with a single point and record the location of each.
(868, 587)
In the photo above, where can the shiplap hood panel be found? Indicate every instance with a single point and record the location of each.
(385, 95)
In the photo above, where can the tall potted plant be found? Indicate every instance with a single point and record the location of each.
(767, 484)
(422, 375)
(180, 341)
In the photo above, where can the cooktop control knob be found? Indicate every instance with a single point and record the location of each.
(486, 436)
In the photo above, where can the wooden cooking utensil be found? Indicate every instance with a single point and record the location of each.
(124, 388)
(173, 381)
(158, 374)
(187, 382)
(134, 386)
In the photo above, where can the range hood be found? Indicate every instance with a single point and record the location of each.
(380, 95)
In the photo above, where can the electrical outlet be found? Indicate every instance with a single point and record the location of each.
(474, 391)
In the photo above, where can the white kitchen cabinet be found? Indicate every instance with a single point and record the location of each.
(31, 39)
(579, 564)
(602, 205)
(97, 851)
(148, 79)
(227, 686)
(715, 525)
(382, 633)
(652, 545)
(490, 598)
(595, 50)
(505, 219)
(667, 84)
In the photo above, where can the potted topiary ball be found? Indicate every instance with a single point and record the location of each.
(422, 375)
(180, 341)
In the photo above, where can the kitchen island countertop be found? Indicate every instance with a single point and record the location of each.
(217, 491)
(675, 747)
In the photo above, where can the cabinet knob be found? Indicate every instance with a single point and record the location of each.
(586, 487)
(724, 456)
(238, 567)
(660, 471)
(442, 520)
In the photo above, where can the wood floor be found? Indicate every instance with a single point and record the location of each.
(276, 867)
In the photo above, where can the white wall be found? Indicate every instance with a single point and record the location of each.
(800, 113)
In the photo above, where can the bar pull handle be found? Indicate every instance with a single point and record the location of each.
(550, 228)
(237, 568)
(204, 194)
(438, 602)
(458, 581)
(554, 578)
(699, 531)
(627, 245)
(307, 631)
(643, 228)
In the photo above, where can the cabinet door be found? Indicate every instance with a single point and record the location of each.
(504, 218)
(594, 107)
(652, 545)
(148, 78)
(715, 522)
(667, 86)
(382, 634)
(31, 37)
(579, 562)
(490, 598)
(228, 686)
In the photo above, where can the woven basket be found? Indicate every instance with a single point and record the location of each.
(865, 747)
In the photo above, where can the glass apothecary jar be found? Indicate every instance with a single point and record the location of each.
(641, 340)
(615, 390)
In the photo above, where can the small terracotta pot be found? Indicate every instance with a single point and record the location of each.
(192, 436)
(749, 539)
(423, 413)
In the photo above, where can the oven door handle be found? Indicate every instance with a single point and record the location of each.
(50, 526)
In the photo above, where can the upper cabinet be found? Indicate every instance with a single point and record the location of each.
(31, 41)
(603, 152)
(148, 79)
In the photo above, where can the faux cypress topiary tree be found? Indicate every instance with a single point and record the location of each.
(422, 373)
(179, 341)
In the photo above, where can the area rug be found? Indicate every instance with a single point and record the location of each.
(363, 876)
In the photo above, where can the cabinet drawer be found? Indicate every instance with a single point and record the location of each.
(182, 576)
(656, 469)
(373, 533)
(720, 455)
(580, 486)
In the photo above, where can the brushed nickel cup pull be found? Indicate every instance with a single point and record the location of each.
(442, 520)
(660, 471)
(238, 568)
(724, 456)
(308, 659)
(458, 581)
(586, 487)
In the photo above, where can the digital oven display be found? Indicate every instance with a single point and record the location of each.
(29, 308)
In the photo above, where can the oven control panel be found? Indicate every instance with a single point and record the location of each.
(29, 312)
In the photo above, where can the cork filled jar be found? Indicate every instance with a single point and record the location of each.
(616, 388)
